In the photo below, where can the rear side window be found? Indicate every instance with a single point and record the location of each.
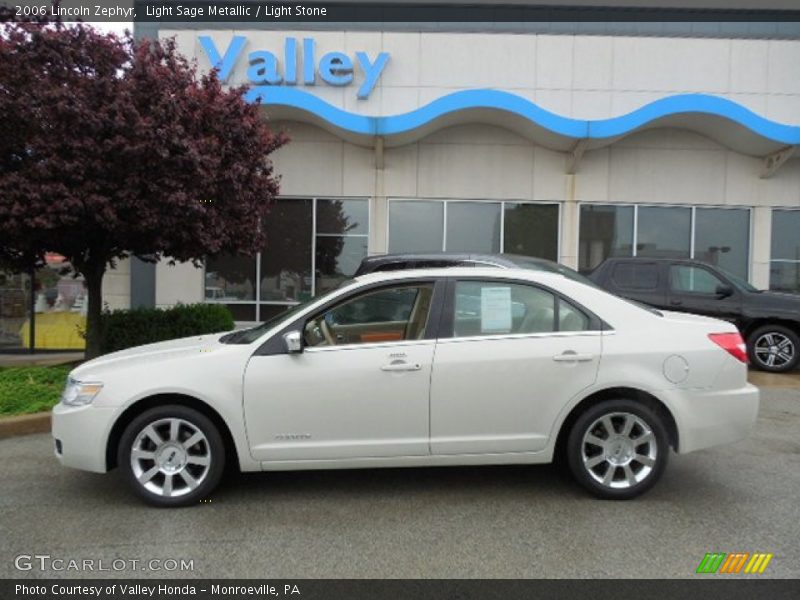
(635, 276)
(496, 308)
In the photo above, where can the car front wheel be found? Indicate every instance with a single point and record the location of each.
(774, 348)
(617, 449)
(172, 456)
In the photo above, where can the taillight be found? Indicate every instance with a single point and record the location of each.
(732, 343)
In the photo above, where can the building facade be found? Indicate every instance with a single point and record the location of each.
(572, 141)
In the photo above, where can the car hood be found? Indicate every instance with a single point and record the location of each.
(779, 301)
(157, 352)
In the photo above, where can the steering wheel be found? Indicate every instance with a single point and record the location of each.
(326, 332)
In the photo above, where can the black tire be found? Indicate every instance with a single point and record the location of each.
(618, 451)
(202, 462)
(759, 349)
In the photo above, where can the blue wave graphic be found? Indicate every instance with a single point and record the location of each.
(483, 99)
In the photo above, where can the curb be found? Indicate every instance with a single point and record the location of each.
(24, 425)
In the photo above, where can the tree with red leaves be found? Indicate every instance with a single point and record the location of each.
(111, 148)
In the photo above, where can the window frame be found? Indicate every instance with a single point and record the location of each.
(447, 326)
(502, 202)
(274, 345)
(692, 228)
(257, 303)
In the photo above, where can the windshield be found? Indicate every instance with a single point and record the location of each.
(248, 336)
(738, 281)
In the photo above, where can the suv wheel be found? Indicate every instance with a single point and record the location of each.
(774, 348)
(172, 456)
(617, 449)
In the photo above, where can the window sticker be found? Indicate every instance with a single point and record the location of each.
(495, 309)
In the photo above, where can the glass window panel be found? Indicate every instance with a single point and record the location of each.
(485, 308)
(338, 257)
(784, 276)
(722, 238)
(343, 216)
(604, 231)
(473, 227)
(786, 234)
(696, 280)
(15, 310)
(60, 306)
(664, 232)
(415, 226)
(243, 312)
(270, 311)
(230, 278)
(570, 318)
(286, 257)
(531, 230)
(386, 315)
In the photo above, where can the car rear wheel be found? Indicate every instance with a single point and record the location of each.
(774, 348)
(172, 456)
(617, 449)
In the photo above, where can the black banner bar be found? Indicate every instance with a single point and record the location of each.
(262, 11)
(706, 587)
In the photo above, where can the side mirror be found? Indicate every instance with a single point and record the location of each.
(724, 290)
(293, 341)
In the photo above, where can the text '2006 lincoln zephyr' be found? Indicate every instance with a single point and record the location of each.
(434, 367)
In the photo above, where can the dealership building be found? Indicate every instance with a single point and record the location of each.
(573, 141)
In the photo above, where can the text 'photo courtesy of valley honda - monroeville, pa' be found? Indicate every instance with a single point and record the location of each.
(420, 367)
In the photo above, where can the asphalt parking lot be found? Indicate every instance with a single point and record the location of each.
(454, 522)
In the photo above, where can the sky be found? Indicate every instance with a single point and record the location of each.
(115, 27)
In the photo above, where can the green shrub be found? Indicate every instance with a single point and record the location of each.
(127, 328)
(25, 390)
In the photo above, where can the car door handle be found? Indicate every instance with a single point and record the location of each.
(573, 357)
(401, 366)
(676, 302)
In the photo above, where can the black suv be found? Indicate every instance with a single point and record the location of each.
(768, 321)
(395, 262)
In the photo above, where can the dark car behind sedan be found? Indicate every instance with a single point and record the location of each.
(768, 321)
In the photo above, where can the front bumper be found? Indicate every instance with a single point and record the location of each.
(709, 418)
(80, 436)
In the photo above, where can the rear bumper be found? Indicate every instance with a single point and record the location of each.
(707, 418)
(80, 435)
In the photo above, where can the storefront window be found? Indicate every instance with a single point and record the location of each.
(342, 227)
(722, 238)
(784, 269)
(311, 245)
(15, 310)
(286, 257)
(473, 227)
(721, 235)
(664, 232)
(531, 229)
(476, 227)
(604, 231)
(416, 226)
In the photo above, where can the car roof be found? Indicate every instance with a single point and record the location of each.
(482, 272)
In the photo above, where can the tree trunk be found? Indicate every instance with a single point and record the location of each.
(93, 274)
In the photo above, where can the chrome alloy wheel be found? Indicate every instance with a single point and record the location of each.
(170, 457)
(619, 450)
(774, 349)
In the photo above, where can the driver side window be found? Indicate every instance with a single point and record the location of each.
(385, 315)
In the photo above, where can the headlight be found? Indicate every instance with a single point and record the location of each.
(78, 393)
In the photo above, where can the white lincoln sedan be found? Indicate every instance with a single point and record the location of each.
(435, 367)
